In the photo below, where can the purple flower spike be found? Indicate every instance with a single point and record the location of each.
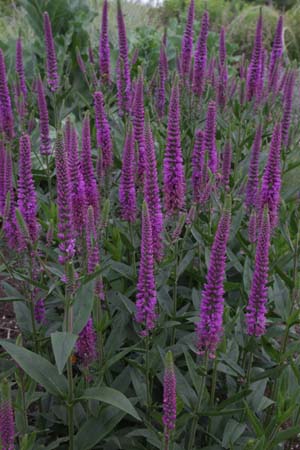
(173, 168)
(222, 48)
(104, 142)
(6, 114)
(209, 328)
(20, 67)
(138, 119)
(123, 72)
(210, 136)
(86, 344)
(253, 177)
(78, 199)
(287, 106)
(226, 166)
(254, 68)
(40, 311)
(91, 188)
(271, 180)
(161, 90)
(198, 161)
(222, 87)
(127, 193)
(277, 51)
(7, 422)
(51, 62)
(27, 202)
(65, 222)
(200, 59)
(45, 143)
(2, 177)
(169, 401)
(146, 291)
(92, 243)
(151, 192)
(187, 42)
(104, 52)
(256, 309)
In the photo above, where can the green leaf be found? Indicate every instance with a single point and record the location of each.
(185, 262)
(38, 368)
(284, 436)
(96, 428)
(111, 397)
(255, 423)
(62, 344)
(83, 305)
(232, 432)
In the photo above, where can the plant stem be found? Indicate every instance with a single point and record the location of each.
(133, 247)
(175, 294)
(198, 406)
(147, 348)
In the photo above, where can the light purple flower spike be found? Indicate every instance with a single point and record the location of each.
(51, 62)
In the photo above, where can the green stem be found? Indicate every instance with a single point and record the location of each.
(48, 178)
(133, 247)
(70, 402)
(31, 307)
(198, 406)
(147, 348)
(175, 294)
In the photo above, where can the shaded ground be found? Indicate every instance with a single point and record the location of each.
(8, 326)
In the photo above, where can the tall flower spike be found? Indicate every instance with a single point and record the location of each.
(104, 52)
(146, 296)
(91, 188)
(45, 143)
(256, 308)
(123, 72)
(78, 199)
(40, 311)
(210, 136)
(104, 142)
(138, 118)
(198, 160)
(253, 172)
(65, 223)
(10, 227)
(27, 202)
(127, 193)
(226, 166)
(254, 67)
(209, 328)
(2, 177)
(86, 344)
(151, 193)
(271, 180)
(169, 400)
(173, 168)
(161, 90)
(222, 48)
(187, 42)
(91, 242)
(200, 58)
(20, 67)
(5, 101)
(7, 423)
(277, 49)
(287, 106)
(222, 86)
(51, 62)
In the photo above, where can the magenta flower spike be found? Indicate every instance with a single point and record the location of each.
(277, 51)
(173, 168)
(210, 136)
(2, 176)
(187, 42)
(161, 90)
(256, 308)
(51, 62)
(138, 119)
(123, 72)
(271, 180)
(78, 198)
(261, 78)
(169, 399)
(45, 142)
(226, 164)
(86, 344)
(210, 326)
(7, 421)
(252, 188)
(20, 68)
(287, 106)
(198, 161)
(222, 87)
(92, 245)
(5, 102)
(254, 68)
(151, 194)
(200, 58)
(104, 51)
(222, 48)
(146, 296)
(91, 188)
(40, 311)
(66, 233)
(27, 202)
(103, 137)
(127, 192)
